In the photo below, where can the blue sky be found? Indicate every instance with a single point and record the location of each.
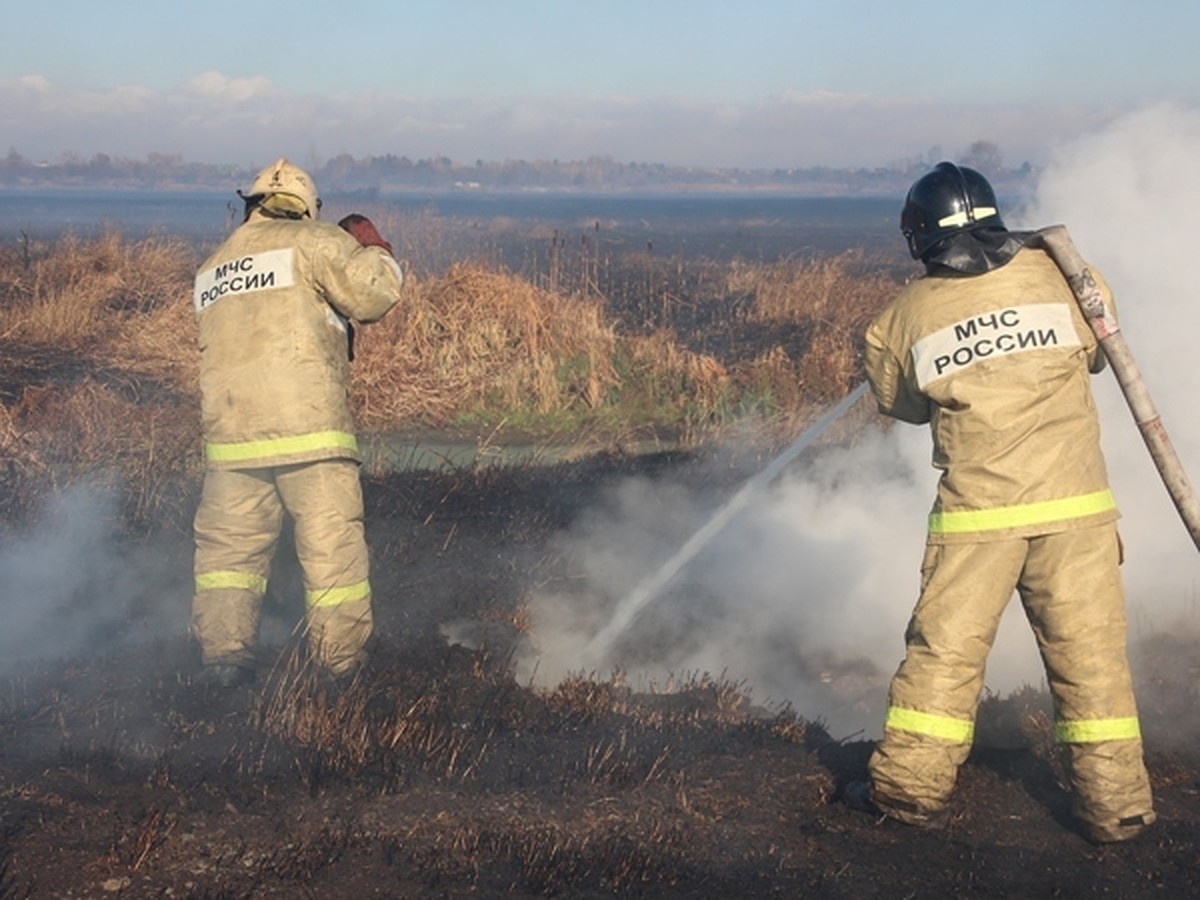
(752, 83)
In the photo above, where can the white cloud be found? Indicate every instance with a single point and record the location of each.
(829, 99)
(215, 117)
(221, 87)
(39, 83)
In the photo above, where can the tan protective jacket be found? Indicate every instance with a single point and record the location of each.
(998, 364)
(272, 304)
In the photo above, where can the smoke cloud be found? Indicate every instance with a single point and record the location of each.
(69, 588)
(805, 596)
(1129, 196)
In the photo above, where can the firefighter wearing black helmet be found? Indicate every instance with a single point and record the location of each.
(991, 350)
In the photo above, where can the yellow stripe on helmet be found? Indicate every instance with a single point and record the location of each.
(962, 217)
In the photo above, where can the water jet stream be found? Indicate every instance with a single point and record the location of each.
(648, 589)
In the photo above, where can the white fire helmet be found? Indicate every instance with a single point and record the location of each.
(286, 185)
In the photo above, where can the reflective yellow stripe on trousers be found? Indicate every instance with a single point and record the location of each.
(338, 595)
(968, 520)
(244, 581)
(959, 731)
(248, 451)
(1094, 731)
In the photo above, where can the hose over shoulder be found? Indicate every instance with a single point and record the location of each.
(1058, 244)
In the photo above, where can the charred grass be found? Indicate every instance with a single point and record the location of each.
(436, 771)
(432, 774)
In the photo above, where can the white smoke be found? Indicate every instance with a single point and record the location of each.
(1130, 198)
(813, 585)
(803, 597)
(69, 588)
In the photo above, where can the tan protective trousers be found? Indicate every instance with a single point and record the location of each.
(237, 526)
(1069, 584)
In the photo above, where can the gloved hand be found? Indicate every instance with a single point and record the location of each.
(364, 231)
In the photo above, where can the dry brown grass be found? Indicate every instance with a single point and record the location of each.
(83, 295)
(97, 371)
(105, 434)
(487, 344)
(832, 299)
(481, 339)
(98, 359)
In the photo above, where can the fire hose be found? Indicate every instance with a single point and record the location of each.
(1062, 250)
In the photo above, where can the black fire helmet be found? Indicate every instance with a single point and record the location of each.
(949, 200)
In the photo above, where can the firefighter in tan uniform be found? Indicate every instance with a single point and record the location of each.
(991, 350)
(275, 305)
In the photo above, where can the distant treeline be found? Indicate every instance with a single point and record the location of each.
(391, 173)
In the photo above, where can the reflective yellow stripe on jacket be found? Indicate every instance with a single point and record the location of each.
(971, 520)
(958, 731)
(269, 448)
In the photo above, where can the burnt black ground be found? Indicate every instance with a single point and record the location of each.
(437, 774)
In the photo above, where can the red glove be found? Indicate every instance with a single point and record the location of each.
(364, 231)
